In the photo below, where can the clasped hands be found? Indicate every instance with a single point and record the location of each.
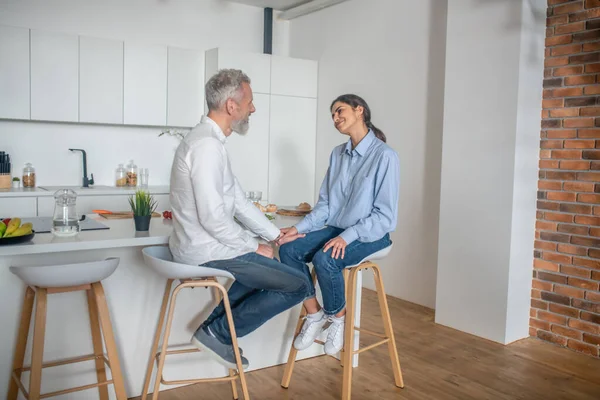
(338, 244)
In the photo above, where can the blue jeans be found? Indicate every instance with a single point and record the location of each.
(329, 270)
(262, 289)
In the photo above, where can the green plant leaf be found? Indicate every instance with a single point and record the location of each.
(142, 204)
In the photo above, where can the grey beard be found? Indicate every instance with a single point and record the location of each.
(241, 126)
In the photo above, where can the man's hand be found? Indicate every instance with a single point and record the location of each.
(289, 235)
(339, 247)
(265, 250)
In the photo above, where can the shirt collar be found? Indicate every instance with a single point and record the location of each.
(216, 129)
(363, 146)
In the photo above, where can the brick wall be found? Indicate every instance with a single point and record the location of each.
(565, 297)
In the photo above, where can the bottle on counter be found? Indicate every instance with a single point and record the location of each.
(132, 174)
(28, 176)
(121, 176)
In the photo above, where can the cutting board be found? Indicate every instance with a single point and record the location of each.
(293, 213)
(123, 215)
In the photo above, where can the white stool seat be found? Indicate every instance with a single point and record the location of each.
(50, 276)
(160, 259)
(375, 256)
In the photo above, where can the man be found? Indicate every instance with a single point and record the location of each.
(205, 198)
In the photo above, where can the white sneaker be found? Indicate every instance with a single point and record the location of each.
(335, 335)
(312, 327)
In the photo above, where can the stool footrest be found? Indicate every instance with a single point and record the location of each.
(372, 333)
(59, 392)
(384, 341)
(89, 357)
(204, 380)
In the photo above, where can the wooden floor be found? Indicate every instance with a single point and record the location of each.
(437, 363)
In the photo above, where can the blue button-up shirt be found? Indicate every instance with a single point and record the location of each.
(359, 193)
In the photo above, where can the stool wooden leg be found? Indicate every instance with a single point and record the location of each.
(165, 344)
(387, 325)
(346, 273)
(39, 331)
(109, 340)
(157, 334)
(217, 294)
(19, 356)
(97, 343)
(349, 337)
(289, 366)
(233, 385)
(234, 343)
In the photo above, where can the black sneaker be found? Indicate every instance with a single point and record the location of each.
(222, 353)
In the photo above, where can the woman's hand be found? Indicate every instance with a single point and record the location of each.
(338, 245)
(289, 235)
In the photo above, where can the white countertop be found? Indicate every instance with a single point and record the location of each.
(48, 191)
(122, 233)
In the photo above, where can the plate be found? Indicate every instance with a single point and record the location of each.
(17, 239)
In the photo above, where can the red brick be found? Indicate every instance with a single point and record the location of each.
(569, 154)
(539, 324)
(588, 111)
(595, 253)
(592, 46)
(579, 186)
(595, 232)
(569, 28)
(546, 153)
(561, 19)
(554, 123)
(589, 133)
(547, 276)
(583, 241)
(553, 318)
(588, 198)
(556, 61)
(563, 92)
(591, 339)
(563, 310)
(551, 144)
(545, 265)
(568, 8)
(550, 185)
(532, 332)
(558, 258)
(569, 291)
(561, 196)
(592, 68)
(580, 101)
(541, 285)
(585, 36)
(559, 217)
(556, 40)
(565, 71)
(569, 249)
(583, 305)
(545, 245)
(586, 57)
(592, 296)
(546, 205)
(546, 226)
(555, 298)
(564, 331)
(585, 220)
(588, 3)
(577, 80)
(578, 122)
(549, 164)
(549, 337)
(588, 176)
(568, 49)
(575, 165)
(584, 326)
(587, 262)
(581, 347)
(536, 294)
(574, 229)
(553, 103)
(555, 237)
(589, 14)
(575, 208)
(575, 272)
(582, 283)
(593, 318)
(590, 154)
(579, 144)
(593, 89)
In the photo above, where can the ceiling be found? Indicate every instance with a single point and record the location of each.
(274, 4)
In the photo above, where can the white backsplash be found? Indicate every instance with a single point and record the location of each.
(46, 146)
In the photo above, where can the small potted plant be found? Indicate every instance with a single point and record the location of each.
(16, 182)
(143, 205)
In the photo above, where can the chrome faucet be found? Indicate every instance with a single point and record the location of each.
(86, 182)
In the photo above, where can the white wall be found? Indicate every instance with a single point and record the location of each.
(391, 53)
(494, 66)
(188, 24)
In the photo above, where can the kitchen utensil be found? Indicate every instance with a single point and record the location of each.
(65, 221)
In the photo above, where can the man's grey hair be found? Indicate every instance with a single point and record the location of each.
(225, 84)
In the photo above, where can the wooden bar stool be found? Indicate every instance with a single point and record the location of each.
(42, 281)
(160, 259)
(351, 348)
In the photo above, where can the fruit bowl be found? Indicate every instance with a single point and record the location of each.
(17, 239)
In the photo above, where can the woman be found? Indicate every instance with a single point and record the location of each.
(356, 210)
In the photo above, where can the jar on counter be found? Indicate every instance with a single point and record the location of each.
(121, 176)
(132, 174)
(28, 176)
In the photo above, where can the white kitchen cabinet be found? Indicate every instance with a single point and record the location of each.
(249, 153)
(100, 80)
(185, 87)
(257, 66)
(22, 207)
(145, 84)
(294, 77)
(293, 123)
(85, 204)
(14, 72)
(54, 76)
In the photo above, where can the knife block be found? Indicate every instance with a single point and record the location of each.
(5, 181)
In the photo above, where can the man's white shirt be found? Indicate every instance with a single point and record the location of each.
(205, 197)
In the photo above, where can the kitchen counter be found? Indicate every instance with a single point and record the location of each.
(134, 294)
(48, 191)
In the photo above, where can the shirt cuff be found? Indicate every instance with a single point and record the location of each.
(349, 235)
(302, 226)
(274, 233)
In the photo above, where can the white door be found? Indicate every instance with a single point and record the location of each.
(257, 66)
(54, 76)
(292, 150)
(145, 84)
(100, 80)
(14, 72)
(185, 87)
(249, 153)
(294, 77)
